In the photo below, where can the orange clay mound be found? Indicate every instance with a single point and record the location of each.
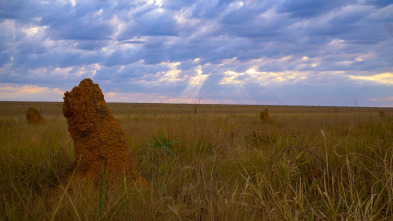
(99, 140)
(265, 116)
(33, 116)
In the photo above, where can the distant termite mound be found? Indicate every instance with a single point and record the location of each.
(99, 141)
(382, 115)
(33, 116)
(265, 118)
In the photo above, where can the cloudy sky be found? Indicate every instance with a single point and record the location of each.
(292, 52)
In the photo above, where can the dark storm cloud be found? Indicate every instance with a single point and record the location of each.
(4, 58)
(309, 8)
(18, 10)
(120, 57)
(167, 46)
(31, 47)
(155, 22)
(133, 42)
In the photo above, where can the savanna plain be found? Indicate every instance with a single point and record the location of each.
(206, 162)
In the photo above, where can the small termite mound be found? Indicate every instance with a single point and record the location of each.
(99, 141)
(265, 117)
(382, 115)
(33, 116)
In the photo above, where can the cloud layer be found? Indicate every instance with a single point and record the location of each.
(305, 52)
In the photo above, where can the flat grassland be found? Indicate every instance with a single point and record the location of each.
(207, 162)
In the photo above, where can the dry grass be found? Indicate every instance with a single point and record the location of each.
(311, 163)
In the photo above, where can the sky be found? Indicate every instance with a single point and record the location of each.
(276, 52)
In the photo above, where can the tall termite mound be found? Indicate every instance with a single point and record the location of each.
(265, 118)
(99, 141)
(33, 116)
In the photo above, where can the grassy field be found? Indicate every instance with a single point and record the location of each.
(222, 163)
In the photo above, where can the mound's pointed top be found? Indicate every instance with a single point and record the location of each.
(86, 81)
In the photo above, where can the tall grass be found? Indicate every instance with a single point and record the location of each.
(326, 165)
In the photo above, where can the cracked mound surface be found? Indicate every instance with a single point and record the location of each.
(265, 116)
(99, 140)
(33, 116)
